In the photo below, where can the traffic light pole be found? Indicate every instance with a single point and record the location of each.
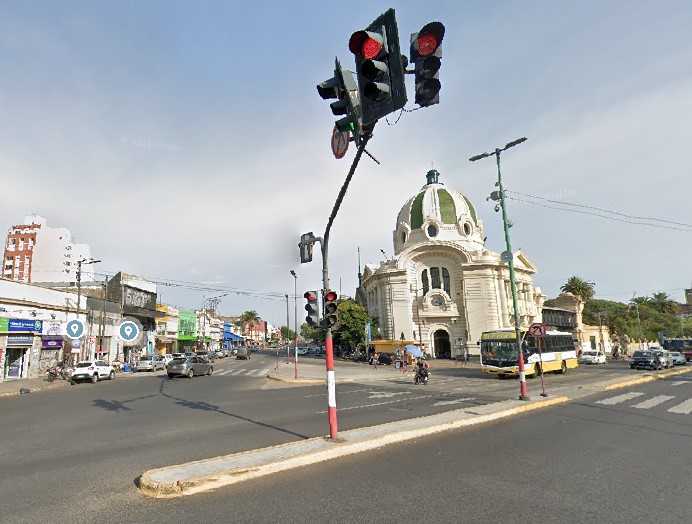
(328, 341)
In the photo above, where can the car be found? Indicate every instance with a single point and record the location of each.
(221, 353)
(592, 357)
(645, 360)
(303, 350)
(92, 371)
(166, 357)
(243, 353)
(189, 367)
(687, 353)
(208, 355)
(149, 363)
(678, 358)
(319, 352)
(665, 358)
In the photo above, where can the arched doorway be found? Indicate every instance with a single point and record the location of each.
(443, 348)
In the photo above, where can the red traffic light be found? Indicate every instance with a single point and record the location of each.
(365, 44)
(330, 296)
(310, 296)
(430, 38)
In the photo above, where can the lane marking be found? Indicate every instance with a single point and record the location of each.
(237, 372)
(660, 399)
(679, 383)
(450, 402)
(378, 404)
(250, 372)
(685, 407)
(223, 372)
(619, 398)
(264, 371)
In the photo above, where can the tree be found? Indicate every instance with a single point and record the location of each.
(579, 288)
(287, 333)
(662, 303)
(250, 317)
(352, 321)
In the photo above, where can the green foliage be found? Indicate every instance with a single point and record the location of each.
(622, 319)
(287, 333)
(352, 321)
(579, 288)
(312, 334)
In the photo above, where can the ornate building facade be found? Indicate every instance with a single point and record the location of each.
(443, 287)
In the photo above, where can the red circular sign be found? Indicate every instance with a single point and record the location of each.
(340, 141)
(537, 329)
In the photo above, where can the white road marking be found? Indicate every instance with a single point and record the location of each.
(685, 407)
(378, 403)
(679, 383)
(237, 372)
(223, 372)
(264, 372)
(250, 372)
(450, 402)
(660, 399)
(619, 398)
(385, 394)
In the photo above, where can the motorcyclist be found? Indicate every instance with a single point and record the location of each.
(422, 367)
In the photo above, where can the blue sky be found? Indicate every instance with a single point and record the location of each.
(186, 141)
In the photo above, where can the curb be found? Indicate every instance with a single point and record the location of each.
(287, 456)
(647, 378)
(34, 389)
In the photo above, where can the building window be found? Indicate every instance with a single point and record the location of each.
(439, 279)
(467, 229)
(432, 230)
(403, 237)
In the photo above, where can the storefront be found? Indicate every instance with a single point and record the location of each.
(187, 331)
(15, 361)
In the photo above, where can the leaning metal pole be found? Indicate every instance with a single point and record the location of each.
(517, 326)
(328, 342)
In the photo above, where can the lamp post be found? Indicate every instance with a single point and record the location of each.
(295, 317)
(509, 258)
(639, 321)
(213, 304)
(83, 261)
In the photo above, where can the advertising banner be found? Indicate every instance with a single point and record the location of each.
(4, 325)
(23, 324)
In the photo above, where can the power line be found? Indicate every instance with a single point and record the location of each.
(602, 210)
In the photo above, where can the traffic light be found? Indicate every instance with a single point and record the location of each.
(380, 67)
(312, 307)
(343, 86)
(426, 55)
(331, 310)
(305, 245)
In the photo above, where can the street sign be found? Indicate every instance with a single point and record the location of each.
(537, 329)
(340, 141)
(91, 339)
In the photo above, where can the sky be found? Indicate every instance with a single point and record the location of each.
(185, 142)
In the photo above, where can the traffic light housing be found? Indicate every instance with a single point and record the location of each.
(312, 307)
(380, 68)
(426, 55)
(331, 310)
(343, 87)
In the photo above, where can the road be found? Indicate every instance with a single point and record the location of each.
(82, 447)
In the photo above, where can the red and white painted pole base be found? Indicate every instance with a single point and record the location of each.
(523, 395)
(331, 385)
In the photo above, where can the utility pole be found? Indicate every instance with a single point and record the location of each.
(81, 261)
(508, 257)
(295, 317)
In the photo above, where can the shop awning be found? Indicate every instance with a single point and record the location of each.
(232, 336)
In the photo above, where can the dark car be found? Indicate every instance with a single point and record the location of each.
(208, 355)
(243, 353)
(189, 367)
(645, 360)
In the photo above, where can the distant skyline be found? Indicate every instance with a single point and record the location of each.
(187, 143)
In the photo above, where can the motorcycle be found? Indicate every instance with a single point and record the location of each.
(53, 373)
(421, 376)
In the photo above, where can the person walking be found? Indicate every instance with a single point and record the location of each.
(465, 356)
(376, 360)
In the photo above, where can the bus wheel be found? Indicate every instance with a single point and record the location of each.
(537, 370)
(563, 368)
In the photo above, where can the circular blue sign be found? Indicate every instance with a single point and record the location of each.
(75, 329)
(128, 331)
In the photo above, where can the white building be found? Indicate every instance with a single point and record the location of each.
(443, 287)
(35, 252)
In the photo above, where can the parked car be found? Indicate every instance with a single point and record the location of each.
(645, 360)
(243, 353)
(665, 358)
(189, 367)
(149, 363)
(221, 353)
(678, 358)
(167, 358)
(592, 357)
(92, 371)
(319, 352)
(687, 353)
(303, 350)
(208, 355)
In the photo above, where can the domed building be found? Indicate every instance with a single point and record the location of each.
(443, 287)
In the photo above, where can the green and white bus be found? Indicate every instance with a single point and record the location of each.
(499, 353)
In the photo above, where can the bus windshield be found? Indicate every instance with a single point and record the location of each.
(498, 350)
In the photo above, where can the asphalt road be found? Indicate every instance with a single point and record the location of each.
(72, 455)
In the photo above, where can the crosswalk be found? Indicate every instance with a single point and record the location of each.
(244, 372)
(671, 403)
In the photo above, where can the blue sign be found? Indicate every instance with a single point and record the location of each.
(128, 331)
(74, 329)
(20, 340)
(23, 324)
(368, 334)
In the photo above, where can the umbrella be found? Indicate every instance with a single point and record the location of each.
(414, 351)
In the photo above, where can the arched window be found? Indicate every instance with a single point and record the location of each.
(439, 279)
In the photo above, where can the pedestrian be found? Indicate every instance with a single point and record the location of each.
(404, 362)
(376, 360)
(465, 356)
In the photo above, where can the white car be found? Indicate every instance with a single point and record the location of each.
(303, 350)
(592, 357)
(92, 371)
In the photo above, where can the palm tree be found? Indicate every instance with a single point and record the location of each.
(250, 317)
(662, 303)
(579, 288)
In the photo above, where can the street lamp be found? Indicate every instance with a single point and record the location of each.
(295, 320)
(83, 261)
(639, 320)
(509, 258)
(213, 304)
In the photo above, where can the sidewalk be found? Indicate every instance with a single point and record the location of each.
(20, 386)
(205, 475)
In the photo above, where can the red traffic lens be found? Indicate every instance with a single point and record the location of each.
(311, 297)
(427, 44)
(330, 296)
(365, 44)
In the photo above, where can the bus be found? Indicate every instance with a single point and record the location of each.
(499, 353)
